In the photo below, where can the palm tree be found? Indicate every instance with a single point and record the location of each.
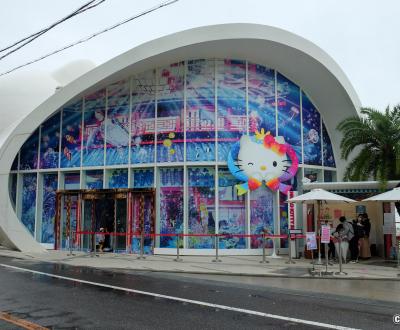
(375, 137)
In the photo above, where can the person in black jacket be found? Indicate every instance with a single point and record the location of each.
(357, 229)
(365, 251)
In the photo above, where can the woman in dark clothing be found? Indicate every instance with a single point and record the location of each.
(365, 251)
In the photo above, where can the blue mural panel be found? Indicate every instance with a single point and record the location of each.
(231, 211)
(201, 208)
(28, 207)
(48, 207)
(94, 129)
(29, 153)
(71, 135)
(170, 114)
(171, 205)
(50, 142)
(329, 158)
(261, 98)
(144, 178)
(118, 178)
(13, 189)
(14, 166)
(200, 111)
(117, 124)
(143, 118)
(312, 149)
(289, 118)
(94, 179)
(231, 91)
(261, 215)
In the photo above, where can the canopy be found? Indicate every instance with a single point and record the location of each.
(321, 195)
(388, 196)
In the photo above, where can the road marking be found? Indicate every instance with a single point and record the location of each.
(20, 322)
(189, 301)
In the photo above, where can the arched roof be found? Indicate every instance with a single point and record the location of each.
(298, 59)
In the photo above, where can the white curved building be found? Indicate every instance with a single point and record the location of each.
(163, 116)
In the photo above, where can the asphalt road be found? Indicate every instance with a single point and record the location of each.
(62, 303)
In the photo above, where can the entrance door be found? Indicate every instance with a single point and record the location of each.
(143, 221)
(120, 224)
(68, 223)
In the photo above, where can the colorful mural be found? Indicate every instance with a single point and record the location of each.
(71, 134)
(118, 178)
(48, 207)
(50, 142)
(312, 147)
(28, 206)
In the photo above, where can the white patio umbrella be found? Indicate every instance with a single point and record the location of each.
(388, 196)
(319, 196)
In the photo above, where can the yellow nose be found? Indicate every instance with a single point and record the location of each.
(263, 168)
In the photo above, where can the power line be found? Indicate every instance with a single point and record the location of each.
(163, 4)
(36, 35)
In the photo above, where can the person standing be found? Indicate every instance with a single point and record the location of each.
(358, 233)
(365, 251)
(344, 234)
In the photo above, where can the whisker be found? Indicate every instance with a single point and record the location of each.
(286, 160)
(239, 171)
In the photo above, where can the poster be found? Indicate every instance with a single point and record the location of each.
(94, 179)
(117, 124)
(200, 110)
(144, 178)
(325, 233)
(231, 91)
(311, 241)
(118, 179)
(312, 148)
(143, 117)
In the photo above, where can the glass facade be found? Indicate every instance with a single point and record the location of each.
(171, 128)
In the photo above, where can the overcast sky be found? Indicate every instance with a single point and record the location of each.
(362, 36)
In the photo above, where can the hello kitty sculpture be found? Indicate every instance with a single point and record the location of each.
(262, 158)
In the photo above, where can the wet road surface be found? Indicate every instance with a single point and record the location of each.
(61, 303)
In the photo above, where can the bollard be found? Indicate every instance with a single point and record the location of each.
(177, 249)
(340, 272)
(264, 255)
(70, 245)
(141, 255)
(290, 261)
(216, 249)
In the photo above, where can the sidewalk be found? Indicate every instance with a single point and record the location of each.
(229, 265)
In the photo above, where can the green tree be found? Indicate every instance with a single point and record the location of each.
(374, 137)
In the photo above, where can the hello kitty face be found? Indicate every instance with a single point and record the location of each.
(261, 162)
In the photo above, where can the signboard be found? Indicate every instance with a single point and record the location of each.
(325, 233)
(295, 231)
(311, 241)
(292, 211)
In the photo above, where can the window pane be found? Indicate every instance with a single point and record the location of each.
(94, 179)
(201, 206)
(71, 135)
(231, 93)
(231, 212)
(145, 178)
(289, 121)
(117, 128)
(29, 153)
(49, 207)
(329, 158)
(143, 114)
(200, 111)
(261, 82)
(50, 142)
(171, 205)
(311, 133)
(94, 129)
(261, 215)
(170, 113)
(118, 178)
(71, 181)
(28, 208)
